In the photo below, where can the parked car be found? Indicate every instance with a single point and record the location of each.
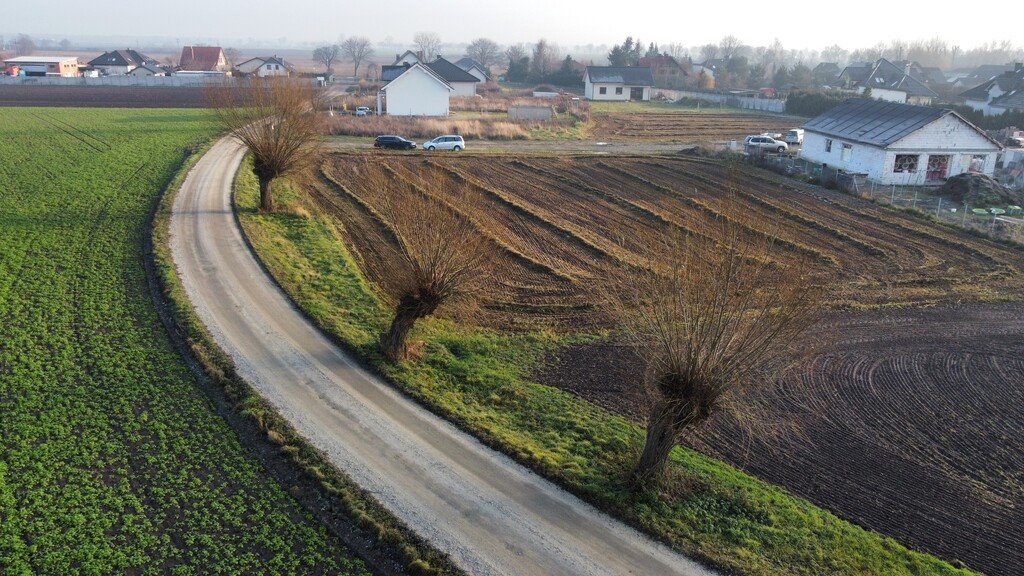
(363, 111)
(450, 142)
(794, 136)
(765, 143)
(391, 142)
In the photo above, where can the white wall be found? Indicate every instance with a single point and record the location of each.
(592, 91)
(269, 69)
(477, 74)
(463, 88)
(416, 93)
(887, 95)
(864, 159)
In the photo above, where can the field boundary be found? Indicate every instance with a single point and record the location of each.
(386, 545)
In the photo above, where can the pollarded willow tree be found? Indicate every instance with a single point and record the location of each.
(713, 313)
(277, 119)
(443, 259)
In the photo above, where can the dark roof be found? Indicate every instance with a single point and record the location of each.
(199, 58)
(888, 76)
(127, 57)
(1012, 100)
(933, 75)
(450, 72)
(402, 70)
(389, 73)
(857, 72)
(1007, 82)
(467, 63)
(874, 122)
(629, 75)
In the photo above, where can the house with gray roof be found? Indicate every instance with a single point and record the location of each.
(1002, 93)
(889, 82)
(622, 83)
(120, 62)
(895, 143)
(475, 68)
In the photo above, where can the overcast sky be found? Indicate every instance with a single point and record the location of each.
(798, 24)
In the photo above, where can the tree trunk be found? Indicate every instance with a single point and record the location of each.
(663, 426)
(266, 193)
(393, 342)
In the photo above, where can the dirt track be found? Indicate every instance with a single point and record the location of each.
(490, 514)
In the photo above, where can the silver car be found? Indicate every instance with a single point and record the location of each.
(765, 143)
(450, 142)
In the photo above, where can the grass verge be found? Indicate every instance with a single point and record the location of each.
(479, 379)
(380, 538)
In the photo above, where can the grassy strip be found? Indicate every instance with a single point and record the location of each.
(479, 379)
(395, 549)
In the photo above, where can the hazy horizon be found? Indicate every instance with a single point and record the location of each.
(459, 21)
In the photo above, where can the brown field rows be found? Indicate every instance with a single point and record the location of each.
(688, 126)
(912, 424)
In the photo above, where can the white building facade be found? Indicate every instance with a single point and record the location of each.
(618, 83)
(418, 91)
(898, 143)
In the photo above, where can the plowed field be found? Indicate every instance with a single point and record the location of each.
(913, 426)
(688, 126)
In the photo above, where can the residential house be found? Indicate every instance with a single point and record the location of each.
(1002, 93)
(203, 59)
(895, 143)
(667, 71)
(409, 58)
(887, 82)
(966, 78)
(121, 62)
(622, 83)
(264, 66)
(462, 82)
(415, 90)
(475, 68)
(64, 66)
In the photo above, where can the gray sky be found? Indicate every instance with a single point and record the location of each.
(798, 24)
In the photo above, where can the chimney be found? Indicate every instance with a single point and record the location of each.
(906, 69)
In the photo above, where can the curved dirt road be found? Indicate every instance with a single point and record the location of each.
(491, 515)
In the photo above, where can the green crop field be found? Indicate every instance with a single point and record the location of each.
(111, 459)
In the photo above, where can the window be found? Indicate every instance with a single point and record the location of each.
(847, 152)
(618, 90)
(828, 145)
(602, 90)
(977, 163)
(905, 163)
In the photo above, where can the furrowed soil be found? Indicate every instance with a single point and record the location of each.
(910, 428)
(683, 126)
(112, 460)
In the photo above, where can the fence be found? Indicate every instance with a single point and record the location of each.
(189, 81)
(1005, 222)
(743, 102)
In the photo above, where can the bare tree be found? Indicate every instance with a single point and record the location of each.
(545, 59)
(516, 52)
(443, 259)
(428, 43)
(676, 50)
(834, 53)
(713, 314)
(326, 55)
(708, 52)
(277, 119)
(357, 49)
(24, 45)
(233, 56)
(729, 46)
(485, 51)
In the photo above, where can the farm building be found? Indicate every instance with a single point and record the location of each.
(888, 82)
(203, 59)
(65, 66)
(618, 83)
(895, 143)
(264, 66)
(416, 91)
(121, 62)
(474, 68)
(1003, 93)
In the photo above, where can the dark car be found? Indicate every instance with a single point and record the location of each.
(393, 143)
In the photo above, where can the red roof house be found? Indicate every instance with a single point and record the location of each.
(203, 59)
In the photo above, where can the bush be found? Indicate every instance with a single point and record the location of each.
(814, 102)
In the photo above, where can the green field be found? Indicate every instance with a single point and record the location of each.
(111, 459)
(479, 379)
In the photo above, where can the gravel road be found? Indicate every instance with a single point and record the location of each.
(491, 515)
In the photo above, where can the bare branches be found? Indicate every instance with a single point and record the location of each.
(277, 120)
(712, 314)
(485, 51)
(428, 43)
(357, 49)
(326, 55)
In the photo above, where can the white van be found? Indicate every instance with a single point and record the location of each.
(450, 142)
(794, 136)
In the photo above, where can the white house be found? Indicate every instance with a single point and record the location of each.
(120, 62)
(895, 143)
(998, 94)
(418, 91)
(409, 58)
(618, 83)
(474, 68)
(463, 83)
(888, 82)
(264, 66)
(149, 70)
